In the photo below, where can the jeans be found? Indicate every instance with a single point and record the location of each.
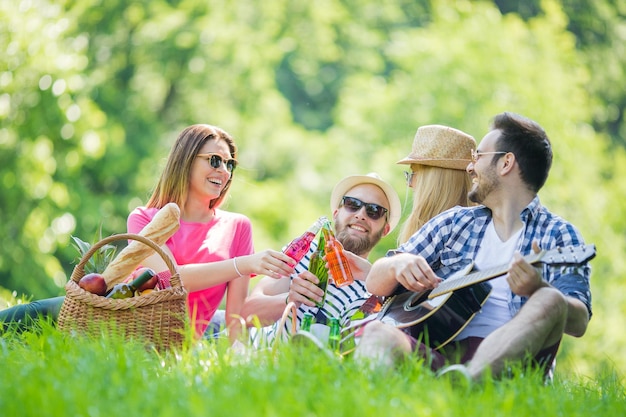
(216, 327)
(22, 317)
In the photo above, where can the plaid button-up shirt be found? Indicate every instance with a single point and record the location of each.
(450, 241)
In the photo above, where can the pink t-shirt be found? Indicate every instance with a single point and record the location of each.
(227, 235)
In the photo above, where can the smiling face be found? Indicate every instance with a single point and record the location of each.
(206, 183)
(483, 171)
(356, 231)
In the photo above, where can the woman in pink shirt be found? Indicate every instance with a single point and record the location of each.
(213, 248)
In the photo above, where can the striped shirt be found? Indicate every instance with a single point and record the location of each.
(341, 303)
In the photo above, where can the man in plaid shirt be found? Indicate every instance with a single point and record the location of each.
(528, 309)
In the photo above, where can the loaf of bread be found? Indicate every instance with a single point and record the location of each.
(163, 225)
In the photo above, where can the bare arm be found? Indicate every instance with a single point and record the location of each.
(410, 271)
(266, 301)
(200, 276)
(270, 296)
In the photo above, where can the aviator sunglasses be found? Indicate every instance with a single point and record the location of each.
(216, 160)
(373, 211)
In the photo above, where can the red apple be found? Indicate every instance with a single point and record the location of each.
(94, 283)
(149, 284)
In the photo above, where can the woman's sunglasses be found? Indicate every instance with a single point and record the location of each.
(373, 211)
(216, 161)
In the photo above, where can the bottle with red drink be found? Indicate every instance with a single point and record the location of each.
(337, 262)
(301, 245)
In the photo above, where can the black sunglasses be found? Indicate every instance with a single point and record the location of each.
(215, 159)
(373, 211)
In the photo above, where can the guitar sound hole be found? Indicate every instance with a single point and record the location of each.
(413, 302)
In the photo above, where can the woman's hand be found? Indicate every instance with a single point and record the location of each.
(269, 262)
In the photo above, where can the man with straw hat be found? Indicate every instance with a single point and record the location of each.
(365, 208)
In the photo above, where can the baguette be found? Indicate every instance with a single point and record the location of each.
(163, 225)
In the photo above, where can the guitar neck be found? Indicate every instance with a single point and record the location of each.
(456, 283)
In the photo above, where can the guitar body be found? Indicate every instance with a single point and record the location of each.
(435, 322)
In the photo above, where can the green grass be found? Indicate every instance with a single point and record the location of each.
(54, 373)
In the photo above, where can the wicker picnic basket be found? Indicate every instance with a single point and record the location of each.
(158, 317)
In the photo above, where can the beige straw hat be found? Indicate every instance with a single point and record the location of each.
(441, 146)
(352, 181)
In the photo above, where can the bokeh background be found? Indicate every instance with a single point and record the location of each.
(93, 93)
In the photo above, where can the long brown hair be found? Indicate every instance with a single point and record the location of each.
(435, 190)
(173, 185)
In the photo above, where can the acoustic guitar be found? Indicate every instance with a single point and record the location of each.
(436, 316)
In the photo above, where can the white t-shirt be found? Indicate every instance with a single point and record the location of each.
(495, 312)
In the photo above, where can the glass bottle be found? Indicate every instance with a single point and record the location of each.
(301, 245)
(317, 266)
(334, 338)
(127, 289)
(337, 261)
(307, 321)
(370, 306)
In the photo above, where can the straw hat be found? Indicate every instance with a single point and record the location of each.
(350, 182)
(441, 146)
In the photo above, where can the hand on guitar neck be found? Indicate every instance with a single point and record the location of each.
(559, 256)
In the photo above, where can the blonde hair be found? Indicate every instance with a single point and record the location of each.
(435, 190)
(173, 185)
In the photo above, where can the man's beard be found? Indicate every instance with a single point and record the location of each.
(483, 188)
(474, 196)
(356, 245)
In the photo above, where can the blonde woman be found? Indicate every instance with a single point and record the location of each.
(438, 178)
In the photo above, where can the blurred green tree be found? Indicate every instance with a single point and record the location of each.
(93, 93)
